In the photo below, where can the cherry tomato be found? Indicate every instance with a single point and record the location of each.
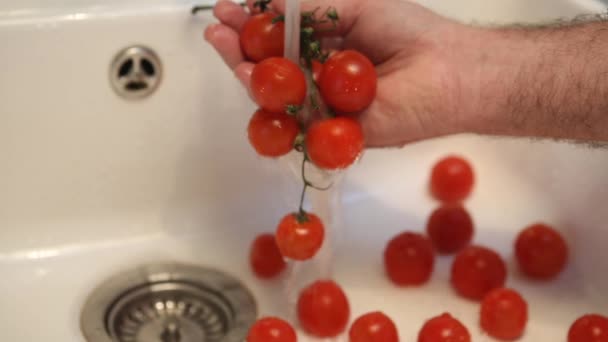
(589, 328)
(271, 329)
(450, 228)
(476, 271)
(265, 258)
(272, 134)
(409, 259)
(541, 251)
(444, 328)
(317, 67)
(334, 143)
(323, 309)
(261, 38)
(373, 327)
(300, 236)
(348, 81)
(451, 179)
(504, 314)
(276, 83)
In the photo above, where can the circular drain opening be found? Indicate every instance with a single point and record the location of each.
(170, 303)
(135, 72)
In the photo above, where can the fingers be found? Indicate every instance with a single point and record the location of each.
(225, 40)
(230, 14)
(332, 43)
(243, 73)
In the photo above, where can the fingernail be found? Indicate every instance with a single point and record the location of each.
(208, 33)
(241, 79)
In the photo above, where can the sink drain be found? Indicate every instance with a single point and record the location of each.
(169, 303)
(135, 72)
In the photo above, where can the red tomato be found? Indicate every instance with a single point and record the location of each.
(334, 143)
(451, 179)
(261, 38)
(271, 329)
(589, 328)
(299, 237)
(373, 327)
(450, 228)
(504, 314)
(541, 251)
(272, 134)
(348, 81)
(443, 328)
(276, 83)
(265, 258)
(409, 259)
(476, 271)
(317, 67)
(323, 309)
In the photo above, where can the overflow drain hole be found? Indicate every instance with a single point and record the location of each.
(135, 72)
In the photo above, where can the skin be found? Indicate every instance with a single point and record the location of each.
(438, 77)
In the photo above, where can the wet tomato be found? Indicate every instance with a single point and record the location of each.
(323, 309)
(541, 251)
(261, 38)
(589, 328)
(348, 81)
(444, 328)
(476, 271)
(265, 258)
(450, 228)
(271, 329)
(334, 143)
(277, 83)
(300, 235)
(409, 259)
(272, 134)
(373, 327)
(452, 179)
(504, 314)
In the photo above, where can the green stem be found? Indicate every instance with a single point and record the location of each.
(306, 184)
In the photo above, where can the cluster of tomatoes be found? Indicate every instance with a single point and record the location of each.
(306, 107)
(300, 112)
(478, 273)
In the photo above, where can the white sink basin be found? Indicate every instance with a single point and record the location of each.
(92, 184)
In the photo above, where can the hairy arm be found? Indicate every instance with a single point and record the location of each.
(438, 77)
(538, 81)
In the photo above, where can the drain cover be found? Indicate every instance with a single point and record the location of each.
(169, 303)
(135, 72)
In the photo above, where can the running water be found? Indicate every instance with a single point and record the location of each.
(325, 204)
(292, 30)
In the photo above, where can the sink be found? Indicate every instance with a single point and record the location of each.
(94, 184)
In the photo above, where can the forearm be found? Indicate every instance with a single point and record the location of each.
(544, 82)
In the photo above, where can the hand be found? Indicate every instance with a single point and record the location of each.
(417, 56)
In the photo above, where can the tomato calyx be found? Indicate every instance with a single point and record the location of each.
(293, 109)
(309, 46)
(301, 216)
(262, 4)
(330, 15)
(279, 18)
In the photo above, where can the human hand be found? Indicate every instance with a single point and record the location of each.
(417, 55)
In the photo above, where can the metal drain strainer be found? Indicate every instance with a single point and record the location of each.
(169, 303)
